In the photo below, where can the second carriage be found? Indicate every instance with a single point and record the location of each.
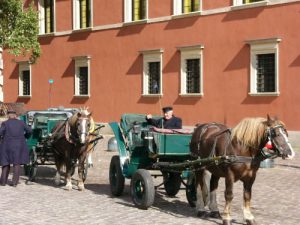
(143, 149)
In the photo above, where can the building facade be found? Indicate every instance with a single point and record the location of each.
(216, 61)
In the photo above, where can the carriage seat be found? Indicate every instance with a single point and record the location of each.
(173, 131)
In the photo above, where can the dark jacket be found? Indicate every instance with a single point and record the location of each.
(13, 148)
(173, 123)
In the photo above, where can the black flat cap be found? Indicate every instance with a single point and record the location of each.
(167, 109)
(11, 111)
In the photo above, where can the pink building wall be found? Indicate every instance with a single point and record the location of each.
(117, 64)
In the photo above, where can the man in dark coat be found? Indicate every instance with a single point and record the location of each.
(13, 149)
(169, 121)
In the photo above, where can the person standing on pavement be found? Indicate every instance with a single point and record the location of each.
(169, 121)
(13, 149)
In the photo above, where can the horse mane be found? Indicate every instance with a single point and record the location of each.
(250, 132)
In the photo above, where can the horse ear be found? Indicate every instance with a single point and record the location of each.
(269, 120)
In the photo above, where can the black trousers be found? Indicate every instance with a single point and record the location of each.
(5, 173)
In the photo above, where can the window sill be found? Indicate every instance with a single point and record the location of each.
(125, 24)
(250, 5)
(47, 34)
(82, 96)
(192, 95)
(82, 30)
(265, 94)
(24, 96)
(184, 15)
(152, 95)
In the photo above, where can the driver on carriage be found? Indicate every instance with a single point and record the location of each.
(169, 121)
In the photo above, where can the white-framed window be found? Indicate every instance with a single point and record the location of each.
(135, 10)
(248, 3)
(186, 6)
(82, 14)
(191, 70)
(46, 16)
(82, 76)
(264, 64)
(152, 72)
(24, 79)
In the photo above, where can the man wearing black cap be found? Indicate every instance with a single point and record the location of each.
(169, 121)
(13, 149)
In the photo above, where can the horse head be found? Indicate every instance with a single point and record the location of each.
(277, 134)
(84, 125)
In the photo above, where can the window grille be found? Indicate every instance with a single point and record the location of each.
(190, 6)
(266, 72)
(193, 76)
(85, 12)
(26, 82)
(49, 16)
(138, 10)
(83, 80)
(154, 78)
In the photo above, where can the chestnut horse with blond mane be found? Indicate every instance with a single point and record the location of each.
(245, 143)
(71, 144)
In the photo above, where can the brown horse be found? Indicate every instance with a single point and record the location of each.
(245, 144)
(70, 142)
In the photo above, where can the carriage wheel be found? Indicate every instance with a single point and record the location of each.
(172, 183)
(116, 178)
(142, 189)
(31, 168)
(191, 190)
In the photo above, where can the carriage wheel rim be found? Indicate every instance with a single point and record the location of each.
(139, 189)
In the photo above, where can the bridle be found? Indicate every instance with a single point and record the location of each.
(273, 152)
(73, 135)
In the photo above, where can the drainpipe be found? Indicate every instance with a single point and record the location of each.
(1, 75)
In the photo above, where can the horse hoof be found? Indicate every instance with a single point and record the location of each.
(215, 215)
(251, 222)
(227, 222)
(201, 214)
(68, 187)
(81, 188)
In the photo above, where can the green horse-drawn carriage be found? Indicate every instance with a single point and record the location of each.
(39, 144)
(143, 148)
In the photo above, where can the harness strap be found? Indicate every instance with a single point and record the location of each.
(58, 131)
(68, 133)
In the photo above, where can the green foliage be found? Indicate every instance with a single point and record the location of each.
(19, 29)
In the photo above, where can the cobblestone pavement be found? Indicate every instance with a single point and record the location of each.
(275, 199)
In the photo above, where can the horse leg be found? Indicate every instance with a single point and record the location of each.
(213, 205)
(247, 202)
(68, 176)
(58, 169)
(90, 160)
(200, 205)
(80, 172)
(228, 200)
